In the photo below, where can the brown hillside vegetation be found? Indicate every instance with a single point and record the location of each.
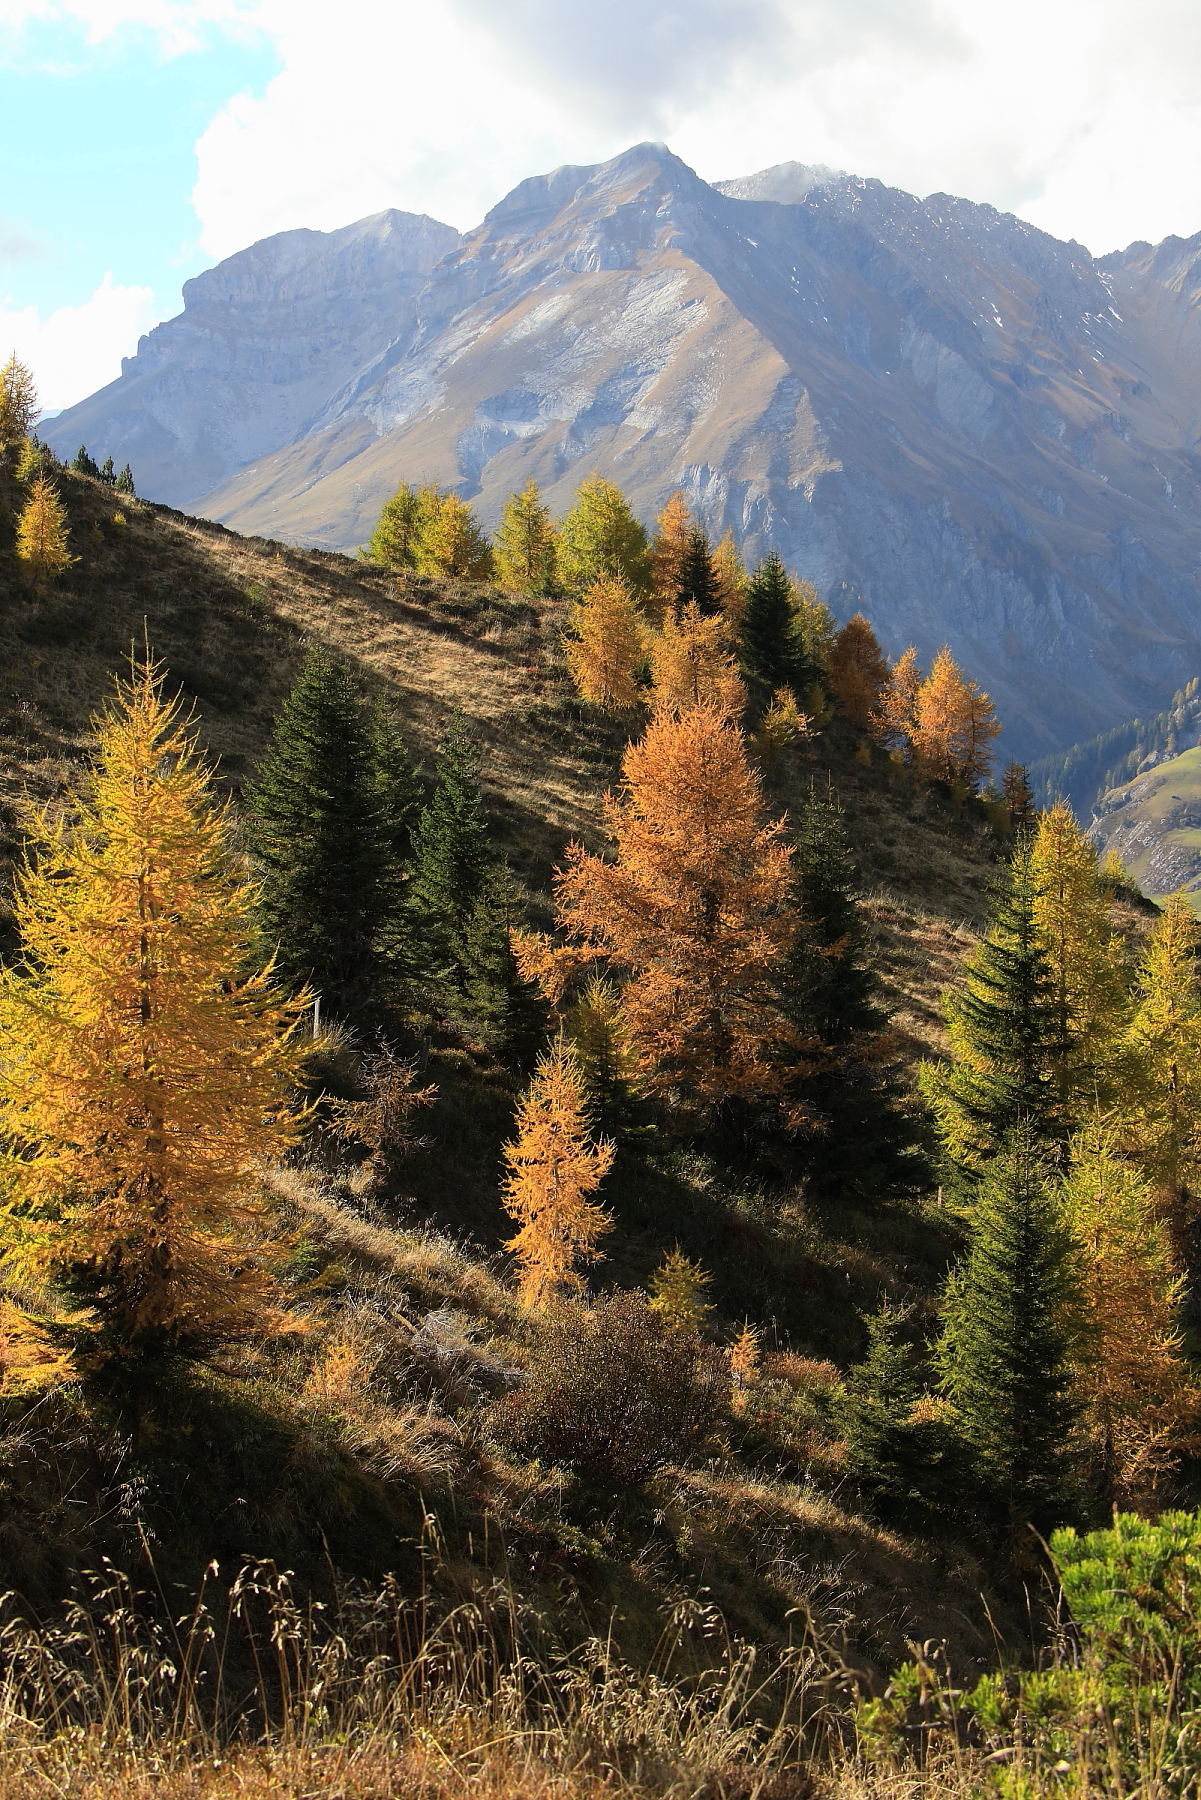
(649, 1499)
(231, 618)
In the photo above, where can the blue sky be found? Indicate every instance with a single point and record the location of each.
(98, 157)
(143, 139)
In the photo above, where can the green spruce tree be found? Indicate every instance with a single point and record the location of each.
(862, 1136)
(1012, 1312)
(902, 1446)
(452, 860)
(498, 1006)
(698, 578)
(770, 647)
(323, 833)
(84, 464)
(124, 482)
(1004, 1030)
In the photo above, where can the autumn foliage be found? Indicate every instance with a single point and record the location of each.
(694, 911)
(607, 645)
(145, 1077)
(692, 664)
(553, 1168)
(856, 671)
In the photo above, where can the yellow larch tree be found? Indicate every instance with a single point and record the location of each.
(893, 721)
(1161, 1112)
(678, 1289)
(1141, 1405)
(599, 535)
(695, 913)
(953, 726)
(452, 542)
(816, 626)
(553, 1168)
(669, 552)
(732, 578)
(856, 671)
(18, 402)
(525, 543)
(42, 534)
(1089, 984)
(692, 664)
(145, 1077)
(606, 647)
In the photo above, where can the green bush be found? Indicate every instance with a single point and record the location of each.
(1118, 1707)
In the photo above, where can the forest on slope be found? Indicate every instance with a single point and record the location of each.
(858, 1324)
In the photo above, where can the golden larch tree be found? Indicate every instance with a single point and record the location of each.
(599, 535)
(607, 645)
(452, 542)
(669, 552)
(1140, 1402)
(953, 726)
(42, 534)
(1071, 912)
(692, 664)
(145, 1077)
(856, 671)
(732, 578)
(894, 718)
(1161, 1110)
(694, 912)
(19, 407)
(678, 1290)
(553, 1168)
(525, 543)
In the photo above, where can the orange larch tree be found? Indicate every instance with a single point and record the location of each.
(953, 725)
(695, 912)
(669, 553)
(692, 664)
(554, 1167)
(608, 646)
(856, 672)
(894, 717)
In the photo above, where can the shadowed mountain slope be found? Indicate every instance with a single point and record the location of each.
(979, 433)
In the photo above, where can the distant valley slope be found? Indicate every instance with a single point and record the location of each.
(988, 436)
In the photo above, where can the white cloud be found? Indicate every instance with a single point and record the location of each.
(78, 349)
(179, 25)
(1083, 115)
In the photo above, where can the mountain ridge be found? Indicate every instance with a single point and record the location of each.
(933, 410)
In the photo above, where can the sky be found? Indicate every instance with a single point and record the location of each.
(143, 140)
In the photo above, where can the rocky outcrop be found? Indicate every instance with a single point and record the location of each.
(935, 411)
(265, 342)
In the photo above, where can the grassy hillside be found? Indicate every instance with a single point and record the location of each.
(375, 1448)
(1153, 823)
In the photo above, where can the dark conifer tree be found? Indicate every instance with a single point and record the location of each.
(1005, 1035)
(452, 861)
(498, 1006)
(1012, 1311)
(770, 648)
(901, 1447)
(1018, 796)
(325, 842)
(83, 464)
(698, 578)
(125, 482)
(108, 473)
(862, 1133)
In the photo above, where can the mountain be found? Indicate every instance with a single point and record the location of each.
(1154, 824)
(265, 344)
(976, 432)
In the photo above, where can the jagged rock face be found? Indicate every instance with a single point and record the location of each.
(933, 410)
(265, 342)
